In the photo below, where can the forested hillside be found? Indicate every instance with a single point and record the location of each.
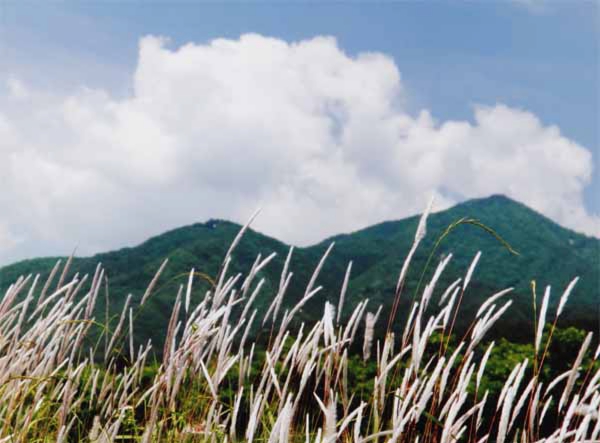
(547, 253)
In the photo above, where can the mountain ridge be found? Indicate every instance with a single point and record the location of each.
(334, 237)
(549, 253)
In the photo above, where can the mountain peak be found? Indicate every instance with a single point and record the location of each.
(500, 198)
(493, 199)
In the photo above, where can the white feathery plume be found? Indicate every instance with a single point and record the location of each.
(448, 290)
(574, 371)
(286, 265)
(393, 362)
(253, 296)
(369, 333)
(117, 331)
(508, 384)
(471, 270)
(534, 406)
(565, 296)
(265, 262)
(589, 413)
(357, 424)
(542, 320)
(329, 412)
(480, 413)
(408, 325)
(251, 274)
(521, 401)
(253, 419)
(307, 440)
(491, 300)
(63, 275)
(428, 390)
(429, 288)
(556, 381)
(593, 386)
(567, 419)
(343, 292)
(281, 427)
(448, 368)
(483, 364)
(422, 226)
(450, 306)
(46, 302)
(317, 270)
(131, 349)
(419, 235)
(284, 281)
(505, 415)
(276, 303)
(299, 305)
(356, 413)
(328, 329)
(211, 386)
(153, 282)
(485, 327)
(48, 283)
(247, 330)
(354, 320)
(240, 234)
(280, 296)
(188, 291)
(520, 374)
(545, 409)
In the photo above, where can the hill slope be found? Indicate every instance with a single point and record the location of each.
(548, 253)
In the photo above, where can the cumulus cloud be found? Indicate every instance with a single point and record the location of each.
(320, 140)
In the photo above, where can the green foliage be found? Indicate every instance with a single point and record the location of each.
(563, 349)
(504, 357)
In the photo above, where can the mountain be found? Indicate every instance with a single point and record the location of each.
(548, 254)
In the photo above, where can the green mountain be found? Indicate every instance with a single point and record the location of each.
(548, 254)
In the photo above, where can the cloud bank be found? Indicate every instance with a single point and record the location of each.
(320, 140)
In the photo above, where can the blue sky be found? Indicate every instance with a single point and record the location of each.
(536, 56)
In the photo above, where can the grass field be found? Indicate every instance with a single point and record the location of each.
(69, 373)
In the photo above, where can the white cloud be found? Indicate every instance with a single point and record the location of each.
(320, 140)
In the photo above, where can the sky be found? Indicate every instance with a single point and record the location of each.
(121, 120)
